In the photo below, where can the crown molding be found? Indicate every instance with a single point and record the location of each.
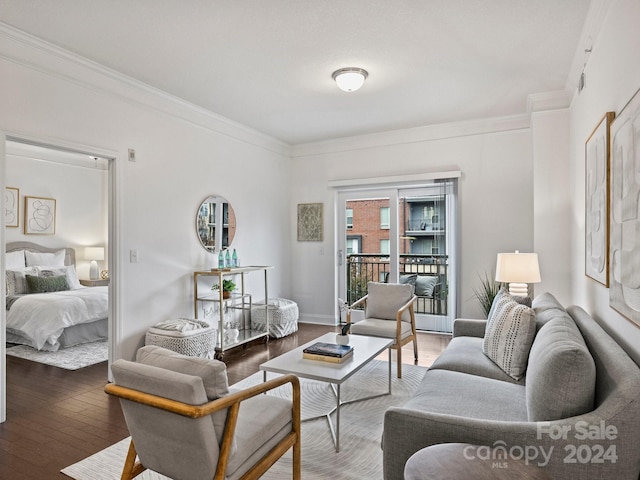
(34, 53)
(540, 102)
(413, 135)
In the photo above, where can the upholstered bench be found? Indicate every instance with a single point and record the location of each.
(185, 336)
(283, 317)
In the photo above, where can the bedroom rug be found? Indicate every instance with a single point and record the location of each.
(360, 454)
(72, 358)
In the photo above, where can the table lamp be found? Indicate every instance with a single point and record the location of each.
(518, 270)
(94, 254)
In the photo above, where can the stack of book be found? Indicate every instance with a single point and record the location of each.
(328, 352)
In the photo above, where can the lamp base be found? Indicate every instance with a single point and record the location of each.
(93, 270)
(519, 289)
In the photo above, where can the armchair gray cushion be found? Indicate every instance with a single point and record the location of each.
(385, 299)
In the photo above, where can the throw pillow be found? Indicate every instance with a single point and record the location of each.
(69, 271)
(408, 279)
(17, 281)
(37, 284)
(55, 259)
(212, 372)
(561, 378)
(509, 336)
(425, 285)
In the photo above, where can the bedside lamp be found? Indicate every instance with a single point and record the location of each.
(518, 269)
(94, 254)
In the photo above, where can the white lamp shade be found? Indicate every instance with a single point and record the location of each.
(94, 253)
(350, 79)
(517, 268)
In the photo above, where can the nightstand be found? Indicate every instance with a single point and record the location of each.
(94, 283)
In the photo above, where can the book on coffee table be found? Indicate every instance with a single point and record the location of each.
(329, 352)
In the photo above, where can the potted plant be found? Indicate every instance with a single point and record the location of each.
(486, 292)
(342, 338)
(228, 286)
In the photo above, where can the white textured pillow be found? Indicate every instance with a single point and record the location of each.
(509, 337)
(69, 271)
(15, 260)
(17, 280)
(45, 259)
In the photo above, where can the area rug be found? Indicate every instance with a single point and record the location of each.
(72, 358)
(361, 424)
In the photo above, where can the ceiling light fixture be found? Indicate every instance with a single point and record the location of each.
(350, 79)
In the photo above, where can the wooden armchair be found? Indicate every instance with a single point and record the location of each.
(389, 313)
(178, 432)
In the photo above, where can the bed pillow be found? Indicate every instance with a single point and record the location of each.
(55, 259)
(15, 260)
(69, 271)
(17, 282)
(37, 284)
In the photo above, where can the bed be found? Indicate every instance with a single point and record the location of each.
(69, 315)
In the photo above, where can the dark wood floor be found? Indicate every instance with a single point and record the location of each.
(57, 417)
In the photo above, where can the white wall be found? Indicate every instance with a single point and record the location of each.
(81, 203)
(495, 198)
(612, 77)
(183, 155)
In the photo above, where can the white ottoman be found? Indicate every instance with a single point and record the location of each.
(184, 335)
(283, 317)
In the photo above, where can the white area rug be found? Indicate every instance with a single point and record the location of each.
(361, 424)
(71, 358)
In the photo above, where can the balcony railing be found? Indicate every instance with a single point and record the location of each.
(374, 267)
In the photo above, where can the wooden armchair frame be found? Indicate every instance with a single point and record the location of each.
(400, 342)
(133, 468)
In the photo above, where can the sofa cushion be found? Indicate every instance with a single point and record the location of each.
(470, 396)
(425, 285)
(509, 336)
(547, 308)
(464, 354)
(561, 377)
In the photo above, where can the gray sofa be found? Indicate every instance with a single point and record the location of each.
(576, 413)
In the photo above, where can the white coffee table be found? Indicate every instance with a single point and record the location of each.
(365, 349)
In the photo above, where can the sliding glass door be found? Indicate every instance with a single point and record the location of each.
(401, 235)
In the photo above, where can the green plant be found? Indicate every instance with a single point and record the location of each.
(227, 286)
(486, 292)
(346, 328)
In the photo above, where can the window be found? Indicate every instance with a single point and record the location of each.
(349, 218)
(353, 244)
(384, 218)
(384, 247)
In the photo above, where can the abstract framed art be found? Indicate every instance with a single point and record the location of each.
(11, 207)
(310, 222)
(39, 216)
(597, 154)
(624, 220)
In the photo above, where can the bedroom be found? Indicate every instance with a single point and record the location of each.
(77, 185)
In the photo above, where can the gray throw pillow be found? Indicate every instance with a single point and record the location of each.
(561, 378)
(508, 338)
(408, 279)
(425, 285)
(37, 284)
(17, 280)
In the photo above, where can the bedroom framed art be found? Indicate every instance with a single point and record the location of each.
(39, 216)
(11, 207)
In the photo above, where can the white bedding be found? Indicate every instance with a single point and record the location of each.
(40, 318)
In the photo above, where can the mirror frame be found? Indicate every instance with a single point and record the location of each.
(212, 211)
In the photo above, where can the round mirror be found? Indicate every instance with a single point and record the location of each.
(215, 223)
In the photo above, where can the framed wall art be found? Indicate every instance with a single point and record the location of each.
(596, 225)
(310, 222)
(39, 216)
(624, 221)
(11, 207)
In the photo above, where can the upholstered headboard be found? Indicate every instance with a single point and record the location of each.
(69, 258)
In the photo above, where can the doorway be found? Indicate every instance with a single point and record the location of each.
(77, 155)
(401, 235)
